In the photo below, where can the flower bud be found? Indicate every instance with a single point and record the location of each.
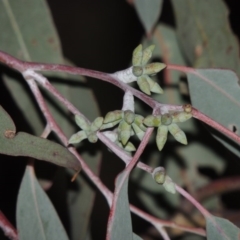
(137, 71)
(77, 137)
(124, 130)
(96, 124)
(180, 117)
(153, 68)
(147, 54)
(177, 133)
(152, 121)
(82, 123)
(137, 56)
(110, 124)
(113, 116)
(159, 175)
(143, 84)
(166, 119)
(92, 137)
(154, 87)
(161, 137)
(187, 108)
(139, 122)
(129, 116)
(138, 131)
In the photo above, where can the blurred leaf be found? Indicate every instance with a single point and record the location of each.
(220, 228)
(148, 12)
(120, 222)
(39, 42)
(24, 144)
(36, 217)
(216, 93)
(205, 34)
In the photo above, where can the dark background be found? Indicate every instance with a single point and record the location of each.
(98, 35)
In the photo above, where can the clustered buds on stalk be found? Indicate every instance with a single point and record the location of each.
(128, 122)
(142, 70)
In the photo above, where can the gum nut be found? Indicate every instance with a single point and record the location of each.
(177, 133)
(161, 137)
(180, 117)
(92, 137)
(77, 137)
(143, 85)
(96, 124)
(187, 108)
(137, 71)
(137, 56)
(147, 54)
(113, 116)
(153, 68)
(154, 87)
(129, 116)
(166, 119)
(81, 122)
(159, 175)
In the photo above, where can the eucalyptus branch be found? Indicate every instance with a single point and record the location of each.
(95, 179)
(30, 67)
(7, 227)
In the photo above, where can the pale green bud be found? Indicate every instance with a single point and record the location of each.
(92, 137)
(169, 185)
(161, 137)
(77, 137)
(129, 116)
(153, 68)
(137, 71)
(154, 87)
(152, 121)
(130, 147)
(110, 124)
(124, 132)
(82, 123)
(147, 54)
(143, 85)
(139, 122)
(137, 56)
(177, 133)
(159, 175)
(187, 108)
(113, 116)
(166, 119)
(180, 117)
(96, 124)
(138, 131)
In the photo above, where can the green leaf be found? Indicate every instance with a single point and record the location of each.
(148, 12)
(205, 34)
(216, 93)
(39, 42)
(24, 144)
(221, 229)
(36, 216)
(121, 225)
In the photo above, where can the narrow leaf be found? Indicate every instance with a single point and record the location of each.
(24, 144)
(216, 93)
(36, 216)
(148, 12)
(221, 229)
